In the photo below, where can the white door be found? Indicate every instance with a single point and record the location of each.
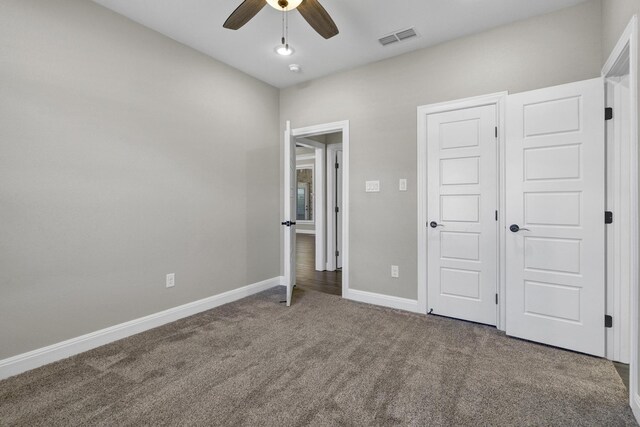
(339, 205)
(462, 202)
(555, 214)
(289, 223)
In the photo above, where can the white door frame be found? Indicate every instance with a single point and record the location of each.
(321, 129)
(332, 149)
(627, 50)
(498, 99)
(618, 267)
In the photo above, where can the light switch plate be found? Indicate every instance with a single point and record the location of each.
(402, 186)
(372, 186)
(395, 271)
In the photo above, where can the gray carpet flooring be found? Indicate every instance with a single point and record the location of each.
(323, 361)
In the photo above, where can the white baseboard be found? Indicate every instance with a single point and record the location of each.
(305, 231)
(42, 356)
(383, 300)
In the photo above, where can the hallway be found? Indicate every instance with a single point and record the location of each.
(307, 277)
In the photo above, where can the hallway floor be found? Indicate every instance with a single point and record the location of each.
(307, 277)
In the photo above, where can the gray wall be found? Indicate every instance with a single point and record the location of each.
(616, 14)
(125, 156)
(380, 100)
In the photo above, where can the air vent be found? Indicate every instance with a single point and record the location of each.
(406, 34)
(398, 36)
(388, 40)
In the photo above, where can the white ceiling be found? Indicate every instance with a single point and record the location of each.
(198, 23)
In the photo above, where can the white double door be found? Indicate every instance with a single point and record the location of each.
(554, 223)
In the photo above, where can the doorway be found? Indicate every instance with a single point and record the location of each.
(316, 208)
(316, 232)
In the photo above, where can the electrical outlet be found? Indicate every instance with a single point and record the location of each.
(402, 186)
(372, 186)
(171, 280)
(395, 271)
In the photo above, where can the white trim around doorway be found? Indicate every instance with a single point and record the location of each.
(627, 50)
(499, 100)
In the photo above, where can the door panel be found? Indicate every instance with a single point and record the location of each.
(460, 283)
(555, 194)
(552, 208)
(549, 163)
(552, 116)
(460, 171)
(290, 188)
(460, 246)
(462, 200)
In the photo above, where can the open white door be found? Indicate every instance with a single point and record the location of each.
(339, 210)
(462, 194)
(555, 244)
(289, 223)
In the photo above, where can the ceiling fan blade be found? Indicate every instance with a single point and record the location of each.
(243, 14)
(313, 12)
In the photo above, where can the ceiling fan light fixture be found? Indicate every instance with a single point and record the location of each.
(290, 4)
(284, 50)
(311, 10)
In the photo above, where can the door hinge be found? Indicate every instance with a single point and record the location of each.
(496, 131)
(337, 253)
(608, 113)
(608, 321)
(608, 217)
(337, 165)
(496, 299)
(496, 215)
(337, 209)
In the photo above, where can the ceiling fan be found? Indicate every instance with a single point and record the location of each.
(311, 10)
